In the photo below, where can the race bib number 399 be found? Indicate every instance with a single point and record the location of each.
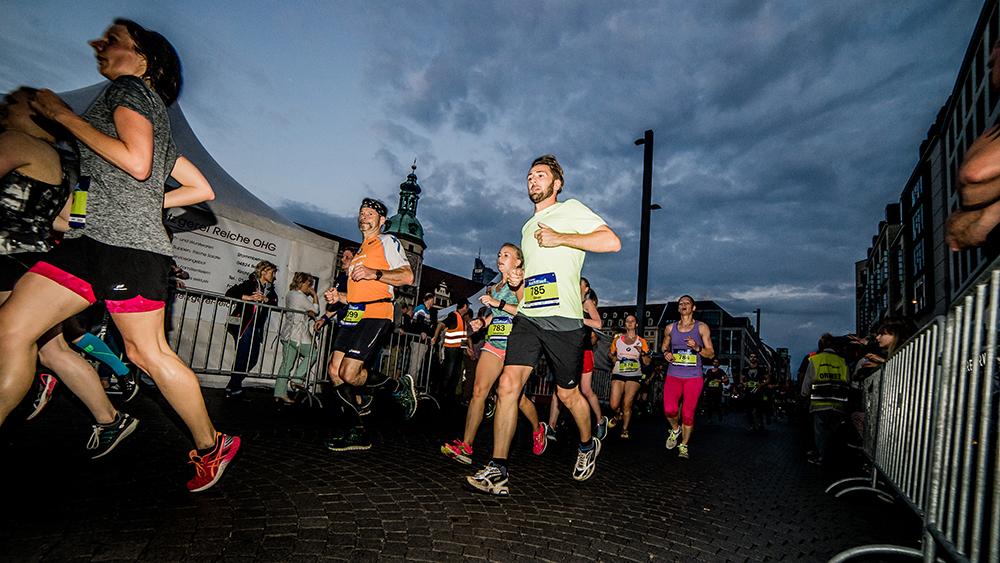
(355, 312)
(541, 291)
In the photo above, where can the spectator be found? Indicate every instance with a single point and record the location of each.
(826, 383)
(455, 328)
(249, 331)
(420, 324)
(296, 337)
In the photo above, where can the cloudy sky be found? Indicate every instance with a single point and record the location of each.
(783, 128)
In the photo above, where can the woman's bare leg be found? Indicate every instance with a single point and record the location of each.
(631, 390)
(617, 388)
(487, 371)
(147, 347)
(36, 305)
(589, 394)
(77, 375)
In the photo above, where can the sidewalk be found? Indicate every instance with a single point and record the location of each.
(741, 497)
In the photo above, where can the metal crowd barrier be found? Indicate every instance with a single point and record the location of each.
(199, 331)
(931, 432)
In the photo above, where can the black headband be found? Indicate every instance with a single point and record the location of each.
(375, 205)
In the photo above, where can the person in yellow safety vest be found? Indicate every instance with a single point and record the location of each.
(455, 334)
(827, 382)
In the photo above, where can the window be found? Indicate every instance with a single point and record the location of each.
(918, 190)
(918, 257)
(918, 221)
(919, 295)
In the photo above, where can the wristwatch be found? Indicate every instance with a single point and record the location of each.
(378, 275)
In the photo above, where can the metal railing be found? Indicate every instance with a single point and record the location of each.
(931, 432)
(201, 330)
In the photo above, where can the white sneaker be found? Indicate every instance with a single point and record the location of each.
(585, 462)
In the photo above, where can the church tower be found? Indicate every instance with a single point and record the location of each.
(405, 227)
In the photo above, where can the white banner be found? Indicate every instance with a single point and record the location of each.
(219, 253)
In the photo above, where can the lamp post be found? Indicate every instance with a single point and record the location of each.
(647, 188)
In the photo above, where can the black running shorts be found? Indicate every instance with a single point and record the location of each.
(563, 348)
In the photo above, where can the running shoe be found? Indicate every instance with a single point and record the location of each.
(129, 386)
(458, 451)
(538, 441)
(354, 440)
(406, 397)
(210, 466)
(586, 461)
(682, 451)
(489, 480)
(614, 421)
(491, 406)
(672, 439)
(550, 434)
(107, 436)
(624, 434)
(602, 428)
(45, 395)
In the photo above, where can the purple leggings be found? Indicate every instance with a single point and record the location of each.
(673, 389)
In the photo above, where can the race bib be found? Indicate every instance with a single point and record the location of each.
(714, 384)
(685, 357)
(355, 312)
(628, 366)
(499, 329)
(541, 291)
(751, 384)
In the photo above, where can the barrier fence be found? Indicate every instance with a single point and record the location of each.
(931, 433)
(203, 331)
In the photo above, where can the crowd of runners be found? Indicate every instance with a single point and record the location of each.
(115, 251)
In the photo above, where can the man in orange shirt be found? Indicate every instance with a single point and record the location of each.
(378, 266)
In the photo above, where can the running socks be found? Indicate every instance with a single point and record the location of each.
(587, 446)
(501, 464)
(97, 349)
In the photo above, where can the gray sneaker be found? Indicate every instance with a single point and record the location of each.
(406, 396)
(585, 461)
(107, 436)
(672, 439)
(490, 481)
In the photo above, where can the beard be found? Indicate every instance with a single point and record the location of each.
(542, 195)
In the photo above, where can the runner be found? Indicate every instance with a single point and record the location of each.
(715, 379)
(628, 351)
(379, 266)
(502, 299)
(35, 189)
(592, 322)
(754, 378)
(121, 252)
(685, 343)
(549, 319)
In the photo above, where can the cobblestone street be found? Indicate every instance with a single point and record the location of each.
(741, 497)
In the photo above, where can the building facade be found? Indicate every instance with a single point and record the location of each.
(928, 276)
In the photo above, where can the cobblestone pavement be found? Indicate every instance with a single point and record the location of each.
(741, 497)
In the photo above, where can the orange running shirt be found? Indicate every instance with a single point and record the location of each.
(382, 252)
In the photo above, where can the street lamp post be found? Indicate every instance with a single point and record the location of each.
(647, 188)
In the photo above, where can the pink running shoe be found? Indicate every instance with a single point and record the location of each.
(538, 440)
(48, 386)
(458, 451)
(211, 466)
